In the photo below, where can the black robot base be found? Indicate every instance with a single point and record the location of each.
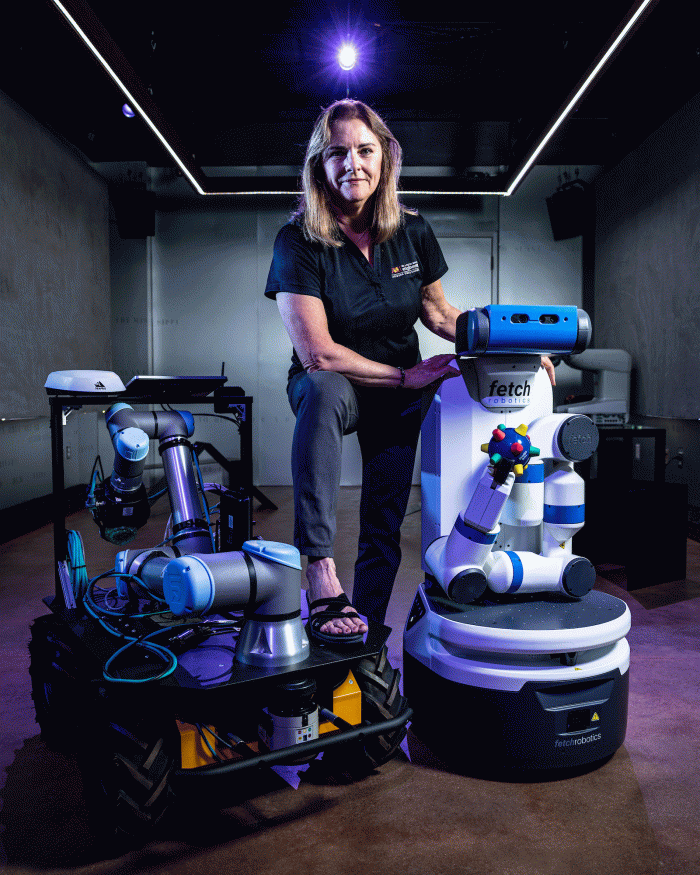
(536, 685)
(543, 726)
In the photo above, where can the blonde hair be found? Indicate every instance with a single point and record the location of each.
(317, 219)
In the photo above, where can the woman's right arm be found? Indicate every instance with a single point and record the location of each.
(305, 320)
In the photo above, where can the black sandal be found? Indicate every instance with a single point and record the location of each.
(334, 611)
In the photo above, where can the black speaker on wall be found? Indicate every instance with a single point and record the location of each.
(134, 210)
(571, 210)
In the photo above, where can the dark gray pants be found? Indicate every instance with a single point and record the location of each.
(387, 421)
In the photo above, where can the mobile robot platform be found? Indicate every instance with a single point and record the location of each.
(530, 684)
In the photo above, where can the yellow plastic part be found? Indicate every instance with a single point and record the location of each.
(522, 429)
(519, 470)
(484, 448)
(193, 750)
(347, 703)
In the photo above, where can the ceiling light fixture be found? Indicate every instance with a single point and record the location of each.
(150, 114)
(616, 40)
(100, 35)
(454, 193)
(347, 57)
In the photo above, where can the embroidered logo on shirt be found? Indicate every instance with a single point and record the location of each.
(405, 269)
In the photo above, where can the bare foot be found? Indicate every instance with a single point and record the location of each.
(324, 583)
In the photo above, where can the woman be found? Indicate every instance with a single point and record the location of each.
(352, 273)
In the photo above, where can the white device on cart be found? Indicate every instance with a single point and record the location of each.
(506, 633)
(612, 371)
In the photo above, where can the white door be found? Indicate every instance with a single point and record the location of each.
(468, 283)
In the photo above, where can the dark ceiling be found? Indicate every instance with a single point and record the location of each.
(468, 86)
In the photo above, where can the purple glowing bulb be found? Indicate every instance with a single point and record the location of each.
(347, 57)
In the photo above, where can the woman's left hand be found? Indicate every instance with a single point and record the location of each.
(549, 367)
(428, 371)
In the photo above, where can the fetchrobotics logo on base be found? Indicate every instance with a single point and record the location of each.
(572, 742)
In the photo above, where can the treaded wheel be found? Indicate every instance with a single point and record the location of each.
(59, 688)
(381, 700)
(125, 771)
(124, 757)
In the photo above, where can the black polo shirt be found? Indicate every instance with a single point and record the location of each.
(371, 309)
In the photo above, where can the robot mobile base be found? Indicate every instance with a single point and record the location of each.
(533, 685)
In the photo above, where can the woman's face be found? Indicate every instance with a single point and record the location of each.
(352, 163)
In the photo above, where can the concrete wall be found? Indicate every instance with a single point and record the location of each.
(647, 253)
(54, 296)
(647, 298)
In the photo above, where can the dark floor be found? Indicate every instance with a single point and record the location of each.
(636, 813)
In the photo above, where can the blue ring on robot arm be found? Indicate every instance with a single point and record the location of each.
(473, 534)
(564, 513)
(531, 474)
(517, 571)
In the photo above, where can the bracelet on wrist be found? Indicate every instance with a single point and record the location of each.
(402, 379)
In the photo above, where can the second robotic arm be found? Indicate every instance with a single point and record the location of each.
(464, 563)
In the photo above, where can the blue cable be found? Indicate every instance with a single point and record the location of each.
(219, 738)
(216, 755)
(158, 649)
(153, 498)
(204, 498)
(89, 600)
(76, 562)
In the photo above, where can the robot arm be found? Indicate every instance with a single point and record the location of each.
(458, 561)
(463, 562)
(189, 575)
(504, 341)
(121, 504)
(263, 578)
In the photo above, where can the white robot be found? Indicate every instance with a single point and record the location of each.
(506, 632)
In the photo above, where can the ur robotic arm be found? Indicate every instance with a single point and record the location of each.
(263, 578)
(121, 507)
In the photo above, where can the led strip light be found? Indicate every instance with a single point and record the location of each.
(133, 102)
(514, 183)
(580, 91)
